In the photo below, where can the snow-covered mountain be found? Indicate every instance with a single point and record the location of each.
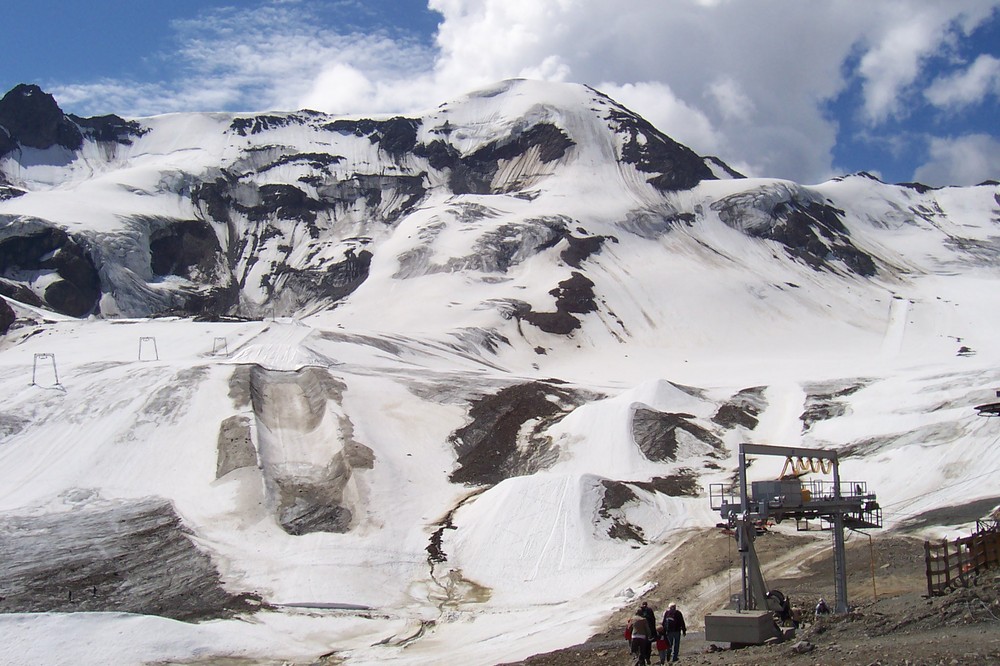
(453, 373)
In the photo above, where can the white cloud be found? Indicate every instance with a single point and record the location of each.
(966, 160)
(892, 64)
(901, 39)
(732, 102)
(967, 87)
(275, 56)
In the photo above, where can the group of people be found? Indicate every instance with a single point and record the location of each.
(642, 632)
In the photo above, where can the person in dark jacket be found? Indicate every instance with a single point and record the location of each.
(641, 635)
(673, 626)
(650, 616)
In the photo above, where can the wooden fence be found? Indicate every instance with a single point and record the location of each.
(952, 564)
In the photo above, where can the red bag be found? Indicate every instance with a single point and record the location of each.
(628, 633)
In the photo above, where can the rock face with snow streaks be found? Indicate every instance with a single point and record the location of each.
(111, 556)
(63, 275)
(304, 204)
(292, 211)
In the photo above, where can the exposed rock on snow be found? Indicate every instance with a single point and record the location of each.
(33, 119)
(742, 409)
(827, 401)
(616, 496)
(651, 151)
(7, 315)
(666, 437)
(504, 438)
(135, 557)
(809, 228)
(50, 263)
(573, 296)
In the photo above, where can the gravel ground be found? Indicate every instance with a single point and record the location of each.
(892, 622)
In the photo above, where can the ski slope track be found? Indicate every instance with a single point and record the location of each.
(437, 389)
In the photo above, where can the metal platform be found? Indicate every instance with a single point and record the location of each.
(801, 500)
(747, 506)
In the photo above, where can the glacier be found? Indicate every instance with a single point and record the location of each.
(396, 390)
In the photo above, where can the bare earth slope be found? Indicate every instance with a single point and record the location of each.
(903, 626)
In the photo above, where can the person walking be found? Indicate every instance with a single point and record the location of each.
(662, 645)
(673, 627)
(641, 635)
(650, 616)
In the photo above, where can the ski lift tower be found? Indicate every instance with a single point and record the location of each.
(838, 505)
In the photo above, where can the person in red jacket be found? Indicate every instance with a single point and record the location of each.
(662, 644)
(673, 626)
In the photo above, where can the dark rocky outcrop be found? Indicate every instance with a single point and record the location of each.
(282, 201)
(214, 198)
(676, 166)
(682, 484)
(489, 448)
(728, 170)
(617, 494)
(659, 435)
(919, 188)
(9, 191)
(333, 283)
(109, 128)
(48, 249)
(439, 154)
(581, 248)
(388, 197)
(474, 173)
(317, 161)
(574, 295)
(19, 292)
(7, 316)
(827, 401)
(135, 557)
(742, 409)
(811, 230)
(396, 136)
(186, 248)
(244, 126)
(7, 144)
(32, 118)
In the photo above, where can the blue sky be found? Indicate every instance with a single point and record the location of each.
(906, 89)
